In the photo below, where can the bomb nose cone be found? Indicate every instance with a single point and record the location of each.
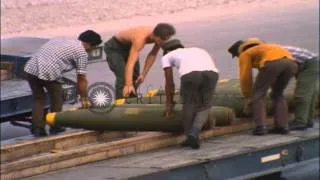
(50, 118)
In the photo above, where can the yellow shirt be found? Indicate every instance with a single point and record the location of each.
(256, 57)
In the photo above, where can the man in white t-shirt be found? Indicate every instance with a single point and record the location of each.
(199, 77)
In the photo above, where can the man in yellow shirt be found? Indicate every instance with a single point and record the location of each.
(276, 68)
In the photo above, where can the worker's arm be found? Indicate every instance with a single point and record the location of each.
(169, 86)
(82, 84)
(81, 60)
(245, 75)
(132, 59)
(169, 89)
(149, 62)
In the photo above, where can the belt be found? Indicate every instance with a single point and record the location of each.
(126, 46)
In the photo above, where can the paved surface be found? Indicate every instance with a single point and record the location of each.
(300, 27)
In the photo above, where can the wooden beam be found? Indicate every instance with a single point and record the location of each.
(12, 152)
(82, 155)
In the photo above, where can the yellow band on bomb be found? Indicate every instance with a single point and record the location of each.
(50, 118)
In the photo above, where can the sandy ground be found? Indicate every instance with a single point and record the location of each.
(48, 18)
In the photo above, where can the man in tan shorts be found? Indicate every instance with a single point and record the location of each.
(122, 52)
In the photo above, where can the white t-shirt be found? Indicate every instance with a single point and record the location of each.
(187, 60)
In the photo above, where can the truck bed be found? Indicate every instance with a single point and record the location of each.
(16, 94)
(222, 157)
(16, 97)
(14, 88)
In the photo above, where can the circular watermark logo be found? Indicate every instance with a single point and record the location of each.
(102, 97)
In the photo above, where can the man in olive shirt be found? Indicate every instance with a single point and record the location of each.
(122, 52)
(276, 68)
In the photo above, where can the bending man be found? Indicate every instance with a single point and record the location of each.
(122, 52)
(45, 70)
(276, 67)
(307, 87)
(199, 76)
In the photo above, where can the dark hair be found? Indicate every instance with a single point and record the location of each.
(233, 49)
(90, 37)
(172, 48)
(163, 30)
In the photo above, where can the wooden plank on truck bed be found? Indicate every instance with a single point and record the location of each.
(68, 140)
(165, 159)
(100, 151)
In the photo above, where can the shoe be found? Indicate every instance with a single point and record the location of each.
(192, 142)
(259, 131)
(39, 132)
(310, 124)
(298, 126)
(279, 130)
(57, 130)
